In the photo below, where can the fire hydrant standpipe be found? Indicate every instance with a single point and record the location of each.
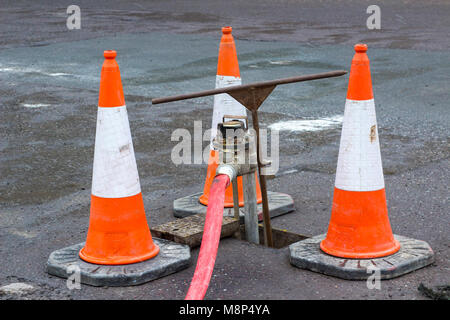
(210, 239)
(237, 156)
(252, 96)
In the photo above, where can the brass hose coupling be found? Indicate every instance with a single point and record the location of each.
(236, 147)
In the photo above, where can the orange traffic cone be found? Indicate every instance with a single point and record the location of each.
(118, 231)
(227, 75)
(359, 225)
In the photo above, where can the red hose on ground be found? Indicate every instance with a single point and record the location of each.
(210, 239)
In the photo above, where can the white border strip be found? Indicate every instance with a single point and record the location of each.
(359, 166)
(115, 172)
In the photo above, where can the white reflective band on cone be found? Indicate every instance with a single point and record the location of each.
(224, 104)
(359, 165)
(115, 172)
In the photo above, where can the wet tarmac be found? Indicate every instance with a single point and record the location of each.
(49, 79)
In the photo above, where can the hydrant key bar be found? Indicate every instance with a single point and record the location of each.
(251, 86)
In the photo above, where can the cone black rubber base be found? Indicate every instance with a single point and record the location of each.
(172, 257)
(413, 255)
(279, 203)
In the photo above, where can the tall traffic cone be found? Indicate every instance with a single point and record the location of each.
(119, 250)
(359, 225)
(118, 231)
(227, 75)
(359, 239)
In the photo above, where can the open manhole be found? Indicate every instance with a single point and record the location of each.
(189, 231)
(281, 238)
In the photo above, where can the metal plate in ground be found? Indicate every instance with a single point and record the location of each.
(189, 230)
(413, 255)
(172, 257)
(279, 203)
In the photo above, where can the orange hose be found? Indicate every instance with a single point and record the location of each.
(210, 240)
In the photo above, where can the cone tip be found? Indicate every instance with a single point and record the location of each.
(109, 54)
(361, 47)
(227, 30)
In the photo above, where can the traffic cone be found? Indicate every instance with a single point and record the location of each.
(359, 236)
(227, 75)
(118, 231)
(359, 225)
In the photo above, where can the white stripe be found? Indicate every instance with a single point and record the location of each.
(115, 172)
(224, 104)
(359, 165)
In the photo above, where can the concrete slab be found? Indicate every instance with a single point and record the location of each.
(413, 254)
(172, 257)
(189, 230)
(279, 204)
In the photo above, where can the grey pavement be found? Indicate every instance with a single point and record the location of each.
(49, 79)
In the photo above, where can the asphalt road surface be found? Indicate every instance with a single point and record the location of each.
(49, 78)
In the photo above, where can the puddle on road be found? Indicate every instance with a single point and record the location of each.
(25, 234)
(305, 125)
(15, 69)
(282, 62)
(35, 105)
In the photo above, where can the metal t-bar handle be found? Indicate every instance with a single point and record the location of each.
(250, 86)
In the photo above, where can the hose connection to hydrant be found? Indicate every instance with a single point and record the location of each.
(238, 158)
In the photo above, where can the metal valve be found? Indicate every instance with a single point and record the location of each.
(237, 156)
(236, 147)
